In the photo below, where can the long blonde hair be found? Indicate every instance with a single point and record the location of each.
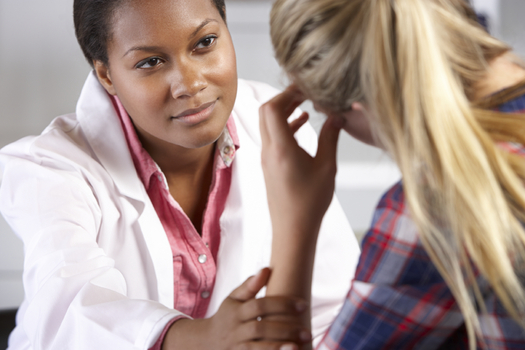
(415, 63)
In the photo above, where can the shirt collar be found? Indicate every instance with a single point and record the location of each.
(227, 145)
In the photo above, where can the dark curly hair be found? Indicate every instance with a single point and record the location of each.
(93, 28)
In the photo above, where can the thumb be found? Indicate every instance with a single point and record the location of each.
(328, 137)
(251, 286)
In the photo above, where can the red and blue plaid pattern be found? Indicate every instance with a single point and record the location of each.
(398, 299)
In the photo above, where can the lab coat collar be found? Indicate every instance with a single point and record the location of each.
(97, 116)
(98, 119)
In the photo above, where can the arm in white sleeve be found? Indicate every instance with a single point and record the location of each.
(75, 298)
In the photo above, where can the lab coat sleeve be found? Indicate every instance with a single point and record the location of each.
(74, 296)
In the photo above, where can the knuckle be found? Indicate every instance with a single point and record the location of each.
(258, 307)
(265, 108)
(256, 328)
(254, 308)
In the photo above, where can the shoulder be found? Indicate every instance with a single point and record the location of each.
(38, 172)
(392, 252)
(43, 177)
(392, 199)
(391, 214)
(255, 91)
(79, 142)
(61, 142)
(250, 96)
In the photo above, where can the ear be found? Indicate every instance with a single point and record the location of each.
(358, 106)
(102, 71)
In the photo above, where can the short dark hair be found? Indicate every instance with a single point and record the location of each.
(93, 28)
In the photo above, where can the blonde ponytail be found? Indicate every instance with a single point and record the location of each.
(457, 197)
(416, 64)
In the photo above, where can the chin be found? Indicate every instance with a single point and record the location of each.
(201, 141)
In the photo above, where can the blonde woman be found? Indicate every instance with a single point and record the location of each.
(442, 266)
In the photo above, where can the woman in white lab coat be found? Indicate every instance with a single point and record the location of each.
(99, 268)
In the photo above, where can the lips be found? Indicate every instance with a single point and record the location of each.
(196, 115)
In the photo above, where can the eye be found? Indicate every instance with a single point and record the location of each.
(206, 42)
(149, 63)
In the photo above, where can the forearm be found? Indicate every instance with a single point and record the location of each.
(299, 188)
(292, 261)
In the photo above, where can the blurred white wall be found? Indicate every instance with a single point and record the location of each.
(42, 71)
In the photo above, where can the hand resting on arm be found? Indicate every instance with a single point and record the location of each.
(243, 322)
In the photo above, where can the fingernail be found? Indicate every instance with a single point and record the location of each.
(288, 347)
(305, 336)
(301, 305)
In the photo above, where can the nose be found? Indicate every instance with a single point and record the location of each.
(188, 80)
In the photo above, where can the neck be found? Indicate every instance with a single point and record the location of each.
(189, 173)
(175, 160)
(503, 72)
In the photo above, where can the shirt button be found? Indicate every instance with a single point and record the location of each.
(228, 150)
(203, 258)
(205, 294)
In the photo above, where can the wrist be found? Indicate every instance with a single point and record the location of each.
(185, 333)
(292, 263)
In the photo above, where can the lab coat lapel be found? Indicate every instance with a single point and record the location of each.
(245, 223)
(101, 125)
(102, 128)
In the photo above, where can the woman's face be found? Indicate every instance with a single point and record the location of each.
(172, 65)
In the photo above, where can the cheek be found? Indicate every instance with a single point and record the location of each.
(224, 68)
(142, 98)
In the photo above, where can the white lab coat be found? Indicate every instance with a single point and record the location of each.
(98, 270)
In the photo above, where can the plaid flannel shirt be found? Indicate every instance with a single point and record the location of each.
(398, 299)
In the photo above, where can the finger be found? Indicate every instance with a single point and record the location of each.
(289, 331)
(251, 286)
(268, 306)
(266, 345)
(328, 138)
(288, 100)
(296, 124)
(274, 115)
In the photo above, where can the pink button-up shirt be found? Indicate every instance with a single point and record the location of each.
(194, 255)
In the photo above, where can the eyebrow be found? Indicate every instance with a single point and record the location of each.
(157, 48)
(143, 48)
(202, 25)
